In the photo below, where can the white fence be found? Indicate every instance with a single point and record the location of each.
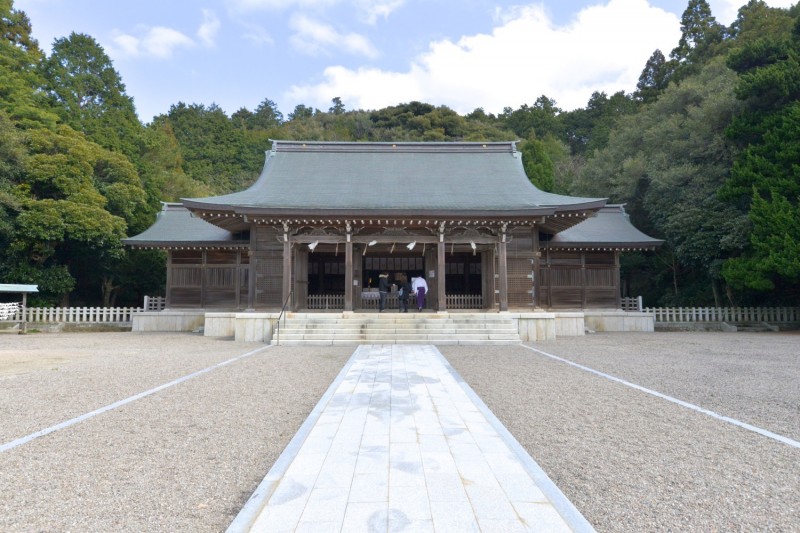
(92, 315)
(774, 315)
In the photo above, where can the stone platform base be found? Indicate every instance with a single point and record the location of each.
(259, 326)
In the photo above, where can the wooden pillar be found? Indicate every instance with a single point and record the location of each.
(502, 270)
(487, 278)
(251, 269)
(549, 281)
(24, 326)
(358, 277)
(237, 280)
(583, 280)
(348, 270)
(203, 276)
(617, 283)
(440, 270)
(537, 263)
(300, 278)
(168, 292)
(287, 265)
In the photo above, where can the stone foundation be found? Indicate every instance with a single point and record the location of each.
(259, 326)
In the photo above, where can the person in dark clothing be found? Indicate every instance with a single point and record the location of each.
(404, 292)
(383, 290)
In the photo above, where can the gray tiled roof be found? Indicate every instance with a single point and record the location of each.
(175, 226)
(393, 178)
(610, 227)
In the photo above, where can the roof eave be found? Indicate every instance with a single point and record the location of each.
(284, 212)
(184, 244)
(652, 245)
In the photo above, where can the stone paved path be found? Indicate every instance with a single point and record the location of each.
(400, 443)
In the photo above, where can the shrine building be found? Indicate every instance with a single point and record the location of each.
(324, 219)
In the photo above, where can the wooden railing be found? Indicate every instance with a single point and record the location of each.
(325, 301)
(464, 301)
(154, 303)
(631, 303)
(776, 315)
(81, 314)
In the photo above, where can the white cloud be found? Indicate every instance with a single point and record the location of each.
(256, 34)
(368, 11)
(603, 49)
(255, 5)
(371, 10)
(158, 41)
(209, 27)
(315, 38)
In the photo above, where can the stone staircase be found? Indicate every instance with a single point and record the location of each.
(396, 328)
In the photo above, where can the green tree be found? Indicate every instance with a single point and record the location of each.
(587, 129)
(214, 151)
(266, 116)
(301, 112)
(83, 83)
(766, 177)
(654, 78)
(700, 31)
(20, 82)
(541, 118)
(338, 107)
(537, 164)
(667, 163)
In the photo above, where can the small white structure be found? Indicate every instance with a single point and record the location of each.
(24, 290)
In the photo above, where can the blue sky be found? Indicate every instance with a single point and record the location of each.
(371, 53)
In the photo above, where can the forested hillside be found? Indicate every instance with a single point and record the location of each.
(705, 153)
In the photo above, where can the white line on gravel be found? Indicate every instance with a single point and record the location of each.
(744, 425)
(41, 433)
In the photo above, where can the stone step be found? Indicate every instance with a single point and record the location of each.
(395, 334)
(343, 342)
(401, 327)
(387, 337)
(400, 318)
(390, 328)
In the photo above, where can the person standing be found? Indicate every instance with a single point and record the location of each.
(404, 292)
(383, 290)
(420, 287)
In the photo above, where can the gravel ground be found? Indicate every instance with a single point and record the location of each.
(188, 457)
(633, 462)
(184, 459)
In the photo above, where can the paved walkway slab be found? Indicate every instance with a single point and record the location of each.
(400, 443)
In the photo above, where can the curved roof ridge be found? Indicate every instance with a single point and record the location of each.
(394, 146)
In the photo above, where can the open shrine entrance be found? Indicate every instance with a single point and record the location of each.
(327, 274)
